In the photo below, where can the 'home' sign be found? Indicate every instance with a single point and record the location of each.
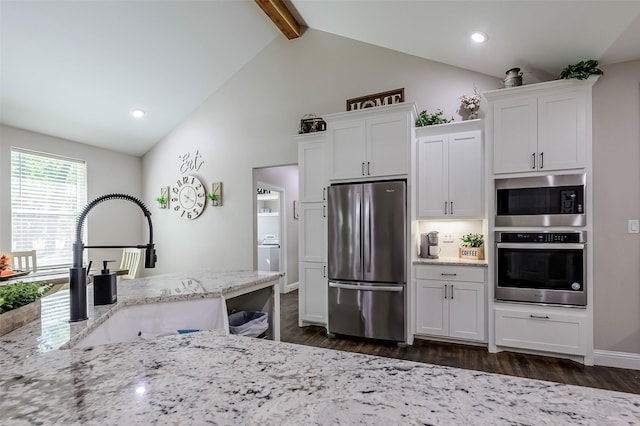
(377, 99)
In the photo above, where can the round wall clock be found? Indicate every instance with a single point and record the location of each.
(188, 197)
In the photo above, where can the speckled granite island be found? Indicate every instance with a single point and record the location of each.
(212, 377)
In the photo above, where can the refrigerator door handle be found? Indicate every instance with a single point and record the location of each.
(367, 287)
(367, 231)
(358, 231)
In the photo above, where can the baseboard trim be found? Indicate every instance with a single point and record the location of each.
(291, 287)
(617, 359)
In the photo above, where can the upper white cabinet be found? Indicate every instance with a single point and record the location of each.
(374, 142)
(540, 127)
(449, 172)
(312, 167)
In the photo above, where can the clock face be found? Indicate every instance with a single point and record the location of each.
(188, 197)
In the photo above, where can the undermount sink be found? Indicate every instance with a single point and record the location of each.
(153, 320)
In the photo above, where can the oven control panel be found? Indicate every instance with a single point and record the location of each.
(541, 237)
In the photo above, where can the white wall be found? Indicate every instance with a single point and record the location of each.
(616, 196)
(110, 223)
(250, 122)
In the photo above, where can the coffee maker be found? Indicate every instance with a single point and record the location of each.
(429, 245)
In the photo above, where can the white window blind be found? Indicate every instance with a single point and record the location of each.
(47, 193)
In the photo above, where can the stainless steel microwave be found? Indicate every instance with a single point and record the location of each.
(555, 200)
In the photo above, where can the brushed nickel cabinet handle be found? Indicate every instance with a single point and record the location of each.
(448, 275)
(450, 207)
(368, 168)
(362, 168)
(445, 291)
(451, 291)
(445, 207)
(533, 157)
(542, 160)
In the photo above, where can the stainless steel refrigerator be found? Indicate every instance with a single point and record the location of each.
(367, 226)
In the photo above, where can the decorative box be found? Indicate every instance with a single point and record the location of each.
(474, 253)
(312, 124)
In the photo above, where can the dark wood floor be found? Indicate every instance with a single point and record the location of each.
(461, 356)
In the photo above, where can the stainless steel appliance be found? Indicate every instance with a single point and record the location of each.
(367, 226)
(541, 267)
(556, 200)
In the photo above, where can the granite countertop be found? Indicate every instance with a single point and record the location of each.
(455, 261)
(54, 330)
(209, 377)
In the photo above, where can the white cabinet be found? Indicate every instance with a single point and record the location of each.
(540, 127)
(450, 301)
(542, 328)
(450, 183)
(312, 296)
(312, 167)
(373, 142)
(312, 230)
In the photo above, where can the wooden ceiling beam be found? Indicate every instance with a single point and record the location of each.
(278, 12)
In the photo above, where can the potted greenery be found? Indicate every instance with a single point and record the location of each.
(162, 201)
(213, 197)
(426, 119)
(472, 247)
(582, 70)
(20, 304)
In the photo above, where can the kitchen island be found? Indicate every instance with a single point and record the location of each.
(212, 377)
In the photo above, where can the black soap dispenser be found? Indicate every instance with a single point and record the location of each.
(105, 291)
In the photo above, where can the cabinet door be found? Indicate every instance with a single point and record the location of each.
(312, 171)
(467, 311)
(432, 310)
(515, 135)
(561, 131)
(312, 232)
(312, 293)
(465, 174)
(432, 177)
(387, 145)
(347, 150)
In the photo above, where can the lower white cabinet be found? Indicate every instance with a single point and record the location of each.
(450, 301)
(312, 294)
(541, 328)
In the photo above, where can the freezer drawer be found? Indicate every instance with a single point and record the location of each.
(367, 310)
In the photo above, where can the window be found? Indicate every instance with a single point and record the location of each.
(47, 194)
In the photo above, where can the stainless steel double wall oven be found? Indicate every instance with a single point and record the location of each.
(537, 259)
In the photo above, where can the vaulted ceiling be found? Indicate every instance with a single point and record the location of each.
(75, 69)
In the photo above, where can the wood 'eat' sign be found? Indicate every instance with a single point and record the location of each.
(377, 99)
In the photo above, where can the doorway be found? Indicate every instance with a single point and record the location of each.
(275, 224)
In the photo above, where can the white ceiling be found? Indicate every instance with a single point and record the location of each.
(74, 69)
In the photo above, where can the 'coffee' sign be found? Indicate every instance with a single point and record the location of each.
(377, 99)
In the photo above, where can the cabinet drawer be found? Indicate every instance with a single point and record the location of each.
(538, 329)
(450, 273)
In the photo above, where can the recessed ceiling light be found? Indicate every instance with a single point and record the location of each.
(137, 113)
(479, 37)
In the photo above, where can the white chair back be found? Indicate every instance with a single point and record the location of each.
(24, 261)
(131, 258)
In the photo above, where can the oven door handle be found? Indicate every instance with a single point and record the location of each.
(367, 287)
(543, 246)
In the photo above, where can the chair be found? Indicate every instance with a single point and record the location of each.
(24, 261)
(131, 260)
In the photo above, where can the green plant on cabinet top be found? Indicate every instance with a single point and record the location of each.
(426, 119)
